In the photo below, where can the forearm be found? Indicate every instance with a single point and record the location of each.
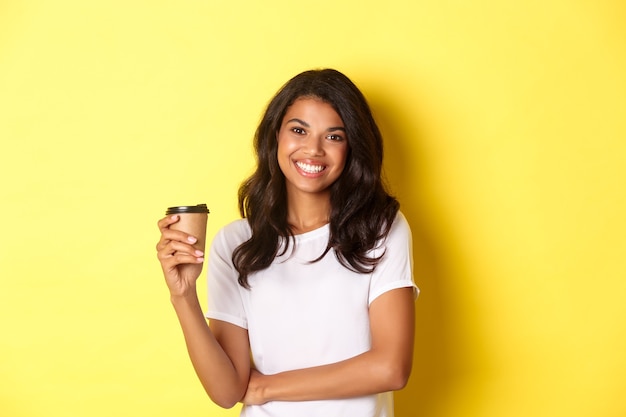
(369, 373)
(224, 384)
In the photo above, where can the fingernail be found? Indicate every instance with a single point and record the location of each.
(192, 239)
(200, 260)
(199, 253)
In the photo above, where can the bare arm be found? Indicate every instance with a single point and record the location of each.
(385, 367)
(219, 353)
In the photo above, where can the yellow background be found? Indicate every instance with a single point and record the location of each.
(505, 126)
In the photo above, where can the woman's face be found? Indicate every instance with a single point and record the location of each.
(312, 146)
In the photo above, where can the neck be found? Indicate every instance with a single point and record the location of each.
(308, 212)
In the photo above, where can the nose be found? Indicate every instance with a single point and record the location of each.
(314, 146)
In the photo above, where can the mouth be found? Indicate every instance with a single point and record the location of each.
(310, 168)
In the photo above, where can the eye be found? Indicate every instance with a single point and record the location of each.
(298, 130)
(335, 138)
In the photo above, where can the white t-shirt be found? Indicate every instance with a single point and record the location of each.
(300, 314)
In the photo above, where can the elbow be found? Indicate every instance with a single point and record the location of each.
(396, 376)
(224, 402)
(226, 405)
(397, 382)
(225, 398)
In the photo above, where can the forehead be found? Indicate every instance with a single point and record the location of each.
(313, 110)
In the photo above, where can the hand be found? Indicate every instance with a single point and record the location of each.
(180, 260)
(254, 394)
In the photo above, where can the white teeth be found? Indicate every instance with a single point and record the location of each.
(308, 168)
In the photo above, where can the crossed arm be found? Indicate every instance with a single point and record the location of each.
(385, 367)
(220, 356)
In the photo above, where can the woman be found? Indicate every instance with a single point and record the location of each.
(311, 297)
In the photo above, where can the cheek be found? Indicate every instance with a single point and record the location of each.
(346, 158)
(284, 145)
(342, 155)
(282, 155)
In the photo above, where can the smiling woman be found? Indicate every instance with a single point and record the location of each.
(504, 137)
(311, 294)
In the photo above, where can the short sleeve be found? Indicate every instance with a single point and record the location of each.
(395, 270)
(223, 290)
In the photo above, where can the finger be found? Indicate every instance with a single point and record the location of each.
(165, 222)
(169, 263)
(176, 235)
(173, 247)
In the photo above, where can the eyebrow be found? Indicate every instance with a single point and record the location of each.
(305, 124)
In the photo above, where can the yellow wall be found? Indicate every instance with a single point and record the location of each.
(505, 127)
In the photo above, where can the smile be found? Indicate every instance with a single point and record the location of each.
(310, 169)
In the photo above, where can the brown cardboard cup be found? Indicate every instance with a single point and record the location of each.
(193, 220)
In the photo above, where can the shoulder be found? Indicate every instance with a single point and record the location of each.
(400, 226)
(399, 234)
(233, 234)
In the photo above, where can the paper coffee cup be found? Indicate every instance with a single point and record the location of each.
(193, 220)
